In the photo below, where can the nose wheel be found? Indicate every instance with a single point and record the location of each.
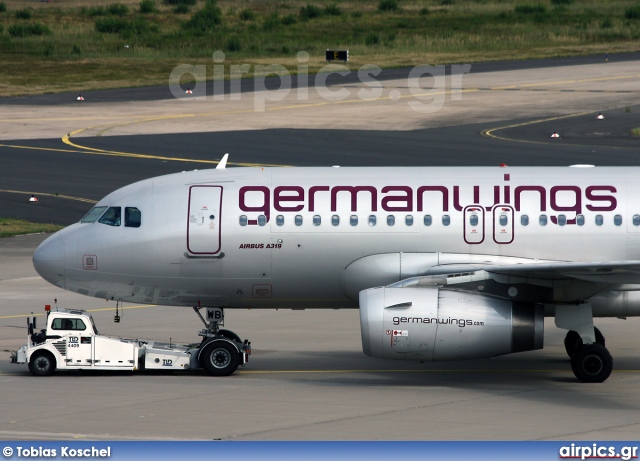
(221, 351)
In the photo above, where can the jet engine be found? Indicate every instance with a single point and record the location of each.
(439, 324)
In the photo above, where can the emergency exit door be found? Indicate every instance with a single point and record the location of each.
(503, 224)
(204, 223)
(474, 224)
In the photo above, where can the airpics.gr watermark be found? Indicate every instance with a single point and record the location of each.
(428, 86)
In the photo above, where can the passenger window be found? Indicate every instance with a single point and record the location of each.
(503, 220)
(524, 220)
(428, 220)
(446, 220)
(243, 220)
(93, 214)
(262, 220)
(543, 220)
(335, 220)
(391, 220)
(617, 220)
(68, 324)
(372, 220)
(636, 219)
(279, 220)
(317, 220)
(580, 220)
(132, 217)
(353, 220)
(599, 220)
(408, 220)
(298, 220)
(473, 219)
(562, 220)
(111, 217)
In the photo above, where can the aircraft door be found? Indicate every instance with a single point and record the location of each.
(204, 220)
(474, 224)
(503, 224)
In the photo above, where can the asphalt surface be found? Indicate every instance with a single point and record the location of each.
(155, 93)
(583, 139)
(307, 378)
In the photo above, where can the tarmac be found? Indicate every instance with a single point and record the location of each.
(308, 378)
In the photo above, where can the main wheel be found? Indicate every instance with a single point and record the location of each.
(573, 341)
(42, 364)
(592, 363)
(219, 358)
(229, 334)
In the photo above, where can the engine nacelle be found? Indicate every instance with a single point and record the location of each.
(437, 324)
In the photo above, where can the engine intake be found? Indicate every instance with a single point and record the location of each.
(436, 324)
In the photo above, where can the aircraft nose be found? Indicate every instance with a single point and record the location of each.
(48, 260)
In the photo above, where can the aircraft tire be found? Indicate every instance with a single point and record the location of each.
(573, 341)
(219, 358)
(229, 334)
(592, 363)
(42, 364)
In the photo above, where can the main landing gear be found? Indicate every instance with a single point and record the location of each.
(584, 343)
(221, 351)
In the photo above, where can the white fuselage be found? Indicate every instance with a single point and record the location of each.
(282, 237)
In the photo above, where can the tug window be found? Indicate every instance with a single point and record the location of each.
(132, 217)
(68, 324)
(93, 214)
(111, 217)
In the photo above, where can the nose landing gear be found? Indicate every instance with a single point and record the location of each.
(221, 351)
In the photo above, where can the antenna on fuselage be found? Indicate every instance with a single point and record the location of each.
(222, 164)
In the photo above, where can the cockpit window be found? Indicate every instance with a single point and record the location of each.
(94, 214)
(111, 217)
(132, 217)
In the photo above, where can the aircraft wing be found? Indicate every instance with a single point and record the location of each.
(520, 279)
(611, 272)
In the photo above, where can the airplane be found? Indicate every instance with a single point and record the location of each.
(443, 263)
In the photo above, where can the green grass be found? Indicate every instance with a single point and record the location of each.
(10, 227)
(635, 132)
(78, 45)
